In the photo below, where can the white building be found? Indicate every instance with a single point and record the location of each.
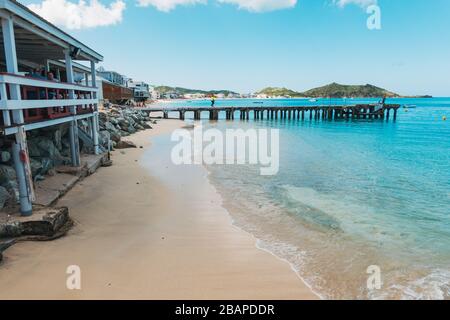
(140, 88)
(154, 94)
(112, 76)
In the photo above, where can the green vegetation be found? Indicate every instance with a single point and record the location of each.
(336, 90)
(333, 90)
(181, 91)
(280, 92)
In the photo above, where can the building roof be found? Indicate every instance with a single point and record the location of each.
(30, 27)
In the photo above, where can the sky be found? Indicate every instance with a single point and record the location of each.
(246, 45)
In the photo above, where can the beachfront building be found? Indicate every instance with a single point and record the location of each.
(112, 76)
(32, 97)
(154, 94)
(140, 89)
(194, 96)
(116, 93)
(114, 86)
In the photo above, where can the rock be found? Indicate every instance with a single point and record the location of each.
(123, 144)
(115, 136)
(7, 173)
(4, 196)
(122, 122)
(48, 149)
(5, 156)
(131, 129)
(104, 136)
(36, 166)
(33, 148)
(110, 127)
(38, 177)
(57, 135)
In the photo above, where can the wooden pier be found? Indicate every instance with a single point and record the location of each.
(366, 111)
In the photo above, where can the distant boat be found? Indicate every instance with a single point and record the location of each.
(409, 107)
(313, 100)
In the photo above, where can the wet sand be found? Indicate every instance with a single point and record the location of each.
(136, 238)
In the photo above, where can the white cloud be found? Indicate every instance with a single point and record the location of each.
(262, 5)
(168, 5)
(81, 14)
(361, 3)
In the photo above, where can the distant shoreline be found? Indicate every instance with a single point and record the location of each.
(167, 101)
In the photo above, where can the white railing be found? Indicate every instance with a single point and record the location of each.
(53, 94)
(32, 82)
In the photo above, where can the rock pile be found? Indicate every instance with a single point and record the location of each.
(121, 121)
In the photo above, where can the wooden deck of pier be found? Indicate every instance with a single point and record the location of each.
(361, 111)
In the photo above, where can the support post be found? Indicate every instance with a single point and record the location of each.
(73, 130)
(19, 148)
(95, 122)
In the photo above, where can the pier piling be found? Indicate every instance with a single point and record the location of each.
(317, 113)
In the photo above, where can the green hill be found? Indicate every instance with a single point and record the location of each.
(280, 92)
(333, 90)
(181, 91)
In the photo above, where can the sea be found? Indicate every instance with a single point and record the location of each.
(360, 208)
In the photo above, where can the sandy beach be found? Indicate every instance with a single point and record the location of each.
(136, 238)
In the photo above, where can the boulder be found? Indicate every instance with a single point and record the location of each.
(123, 122)
(8, 180)
(104, 136)
(57, 135)
(36, 166)
(7, 173)
(131, 129)
(115, 136)
(123, 144)
(5, 156)
(33, 148)
(110, 127)
(4, 196)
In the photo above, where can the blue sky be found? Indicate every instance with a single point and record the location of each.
(295, 44)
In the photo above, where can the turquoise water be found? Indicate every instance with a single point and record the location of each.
(350, 194)
(306, 102)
